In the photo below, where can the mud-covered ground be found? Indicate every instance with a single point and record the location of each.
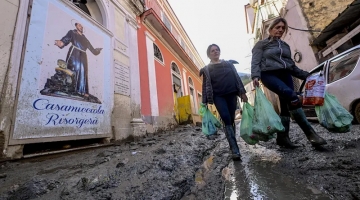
(165, 166)
(334, 169)
(184, 164)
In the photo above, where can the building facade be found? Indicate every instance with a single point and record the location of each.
(58, 69)
(169, 68)
(86, 69)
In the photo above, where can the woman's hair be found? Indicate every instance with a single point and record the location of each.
(276, 21)
(209, 47)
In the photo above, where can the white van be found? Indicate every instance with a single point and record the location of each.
(342, 76)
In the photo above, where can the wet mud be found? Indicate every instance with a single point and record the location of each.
(332, 171)
(184, 164)
(180, 164)
(259, 177)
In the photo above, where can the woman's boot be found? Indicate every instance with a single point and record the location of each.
(312, 136)
(282, 138)
(230, 136)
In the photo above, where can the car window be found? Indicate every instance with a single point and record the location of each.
(343, 66)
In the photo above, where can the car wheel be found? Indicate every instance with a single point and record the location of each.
(357, 113)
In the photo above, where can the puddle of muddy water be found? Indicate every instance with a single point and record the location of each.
(201, 173)
(260, 180)
(256, 177)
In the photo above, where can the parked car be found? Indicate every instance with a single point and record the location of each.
(342, 76)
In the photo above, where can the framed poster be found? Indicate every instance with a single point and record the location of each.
(65, 87)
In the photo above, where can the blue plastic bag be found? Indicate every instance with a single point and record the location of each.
(246, 132)
(266, 122)
(209, 122)
(333, 116)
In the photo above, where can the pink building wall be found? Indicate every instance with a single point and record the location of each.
(299, 40)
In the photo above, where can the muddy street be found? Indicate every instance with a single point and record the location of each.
(334, 169)
(106, 99)
(165, 166)
(184, 164)
(331, 172)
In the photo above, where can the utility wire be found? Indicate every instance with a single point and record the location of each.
(306, 30)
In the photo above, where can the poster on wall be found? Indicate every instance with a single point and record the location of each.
(65, 88)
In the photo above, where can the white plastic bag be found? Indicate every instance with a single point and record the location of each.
(314, 90)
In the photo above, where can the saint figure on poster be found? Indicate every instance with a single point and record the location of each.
(76, 58)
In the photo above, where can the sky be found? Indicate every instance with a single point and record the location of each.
(214, 21)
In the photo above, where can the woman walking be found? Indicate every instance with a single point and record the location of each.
(272, 64)
(222, 86)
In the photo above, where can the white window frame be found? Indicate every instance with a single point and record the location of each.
(157, 59)
(173, 73)
(163, 17)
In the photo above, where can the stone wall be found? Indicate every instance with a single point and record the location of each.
(320, 13)
(8, 14)
(126, 115)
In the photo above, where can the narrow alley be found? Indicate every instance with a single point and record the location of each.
(119, 100)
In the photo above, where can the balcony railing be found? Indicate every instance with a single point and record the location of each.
(265, 14)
